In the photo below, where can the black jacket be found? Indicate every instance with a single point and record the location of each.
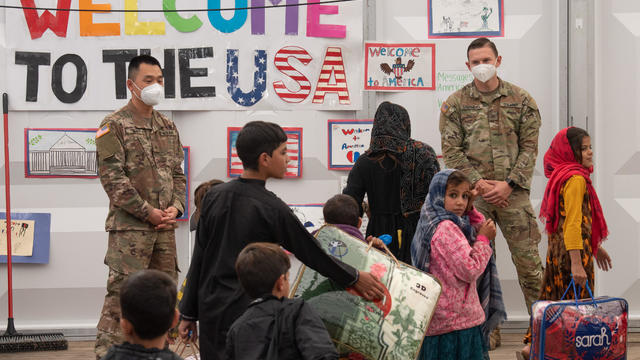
(233, 215)
(279, 329)
(128, 351)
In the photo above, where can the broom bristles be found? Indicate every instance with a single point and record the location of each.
(33, 342)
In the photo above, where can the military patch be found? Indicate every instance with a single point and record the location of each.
(107, 143)
(444, 108)
(103, 130)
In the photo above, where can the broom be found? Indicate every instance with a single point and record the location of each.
(12, 341)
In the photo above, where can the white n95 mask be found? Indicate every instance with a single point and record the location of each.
(152, 94)
(483, 72)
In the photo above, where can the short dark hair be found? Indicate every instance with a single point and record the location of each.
(199, 193)
(202, 189)
(148, 301)
(258, 137)
(456, 178)
(341, 209)
(575, 135)
(259, 265)
(480, 43)
(134, 64)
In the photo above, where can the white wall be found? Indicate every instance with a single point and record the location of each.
(67, 292)
(617, 143)
(529, 59)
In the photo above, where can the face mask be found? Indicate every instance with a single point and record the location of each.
(484, 72)
(152, 94)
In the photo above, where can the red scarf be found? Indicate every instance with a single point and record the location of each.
(560, 165)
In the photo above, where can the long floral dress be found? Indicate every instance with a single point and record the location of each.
(557, 273)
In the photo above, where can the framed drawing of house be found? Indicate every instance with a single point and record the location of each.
(60, 153)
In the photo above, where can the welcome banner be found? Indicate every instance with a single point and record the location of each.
(305, 56)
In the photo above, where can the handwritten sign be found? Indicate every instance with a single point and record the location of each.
(21, 237)
(348, 139)
(392, 66)
(302, 56)
(30, 236)
(448, 82)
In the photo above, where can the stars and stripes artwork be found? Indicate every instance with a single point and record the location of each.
(294, 150)
(332, 78)
(398, 69)
(257, 92)
(281, 62)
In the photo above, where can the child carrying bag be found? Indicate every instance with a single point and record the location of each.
(593, 328)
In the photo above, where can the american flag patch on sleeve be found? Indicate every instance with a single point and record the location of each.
(103, 130)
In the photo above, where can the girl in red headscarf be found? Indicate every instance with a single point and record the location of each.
(574, 220)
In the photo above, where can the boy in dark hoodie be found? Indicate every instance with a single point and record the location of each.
(274, 327)
(148, 306)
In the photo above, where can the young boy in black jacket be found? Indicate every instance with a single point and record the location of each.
(274, 327)
(148, 306)
(240, 212)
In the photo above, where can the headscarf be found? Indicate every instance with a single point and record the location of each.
(431, 215)
(560, 164)
(392, 133)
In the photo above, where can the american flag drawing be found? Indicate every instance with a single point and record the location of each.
(294, 149)
(398, 69)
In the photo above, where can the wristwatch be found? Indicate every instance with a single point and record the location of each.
(511, 183)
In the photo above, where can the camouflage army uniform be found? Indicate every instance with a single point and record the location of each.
(494, 136)
(139, 163)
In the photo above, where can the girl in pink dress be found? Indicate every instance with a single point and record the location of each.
(446, 245)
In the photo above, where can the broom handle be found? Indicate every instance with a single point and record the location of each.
(5, 110)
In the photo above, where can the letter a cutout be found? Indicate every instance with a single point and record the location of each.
(332, 64)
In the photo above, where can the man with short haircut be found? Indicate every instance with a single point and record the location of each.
(148, 303)
(139, 161)
(240, 212)
(274, 327)
(489, 131)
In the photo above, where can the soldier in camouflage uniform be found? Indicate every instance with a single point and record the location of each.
(489, 131)
(139, 157)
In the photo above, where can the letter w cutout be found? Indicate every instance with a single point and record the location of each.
(39, 24)
(347, 132)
